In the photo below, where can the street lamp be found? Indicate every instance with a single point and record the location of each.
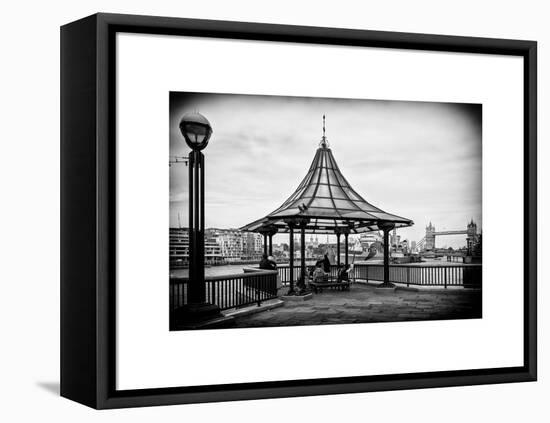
(196, 130)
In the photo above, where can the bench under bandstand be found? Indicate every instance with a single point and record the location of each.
(325, 203)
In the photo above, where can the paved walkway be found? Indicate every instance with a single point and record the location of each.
(364, 303)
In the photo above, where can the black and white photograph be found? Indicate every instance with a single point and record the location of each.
(293, 211)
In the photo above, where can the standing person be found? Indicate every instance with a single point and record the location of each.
(319, 263)
(326, 264)
(343, 273)
(331, 255)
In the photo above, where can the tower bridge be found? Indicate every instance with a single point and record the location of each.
(428, 242)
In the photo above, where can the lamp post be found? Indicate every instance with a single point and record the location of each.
(196, 131)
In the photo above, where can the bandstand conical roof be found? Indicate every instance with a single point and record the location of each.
(328, 201)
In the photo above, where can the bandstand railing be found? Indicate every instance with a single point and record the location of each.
(229, 291)
(467, 276)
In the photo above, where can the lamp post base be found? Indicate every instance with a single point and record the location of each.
(199, 316)
(386, 285)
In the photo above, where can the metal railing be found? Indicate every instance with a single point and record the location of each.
(229, 291)
(467, 276)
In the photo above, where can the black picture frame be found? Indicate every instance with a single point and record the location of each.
(88, 198)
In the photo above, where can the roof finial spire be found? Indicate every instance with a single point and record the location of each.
(323, 143)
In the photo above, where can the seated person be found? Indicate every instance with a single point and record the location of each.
(319, 275)
(266, 264)
(272, 261)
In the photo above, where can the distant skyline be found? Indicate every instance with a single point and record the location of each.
(420, 160)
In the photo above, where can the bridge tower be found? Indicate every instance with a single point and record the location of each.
(471, 236)
(430, 237)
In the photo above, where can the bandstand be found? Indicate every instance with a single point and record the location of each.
(325, 203)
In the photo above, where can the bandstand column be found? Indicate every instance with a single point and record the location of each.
(301, 223)
(291, 253)
(347, 248)
(271, 244)
(303, 255)
(337, 248)
(386, 228)
(265, 243)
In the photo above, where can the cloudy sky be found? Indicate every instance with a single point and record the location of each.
(419, 160)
